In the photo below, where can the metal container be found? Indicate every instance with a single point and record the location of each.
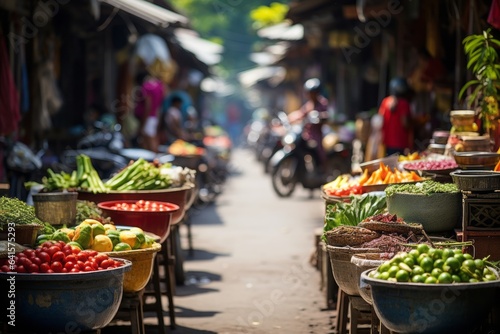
(63, 303)
(476, 180)
(58, 208)
(477, 159)
(430, 308)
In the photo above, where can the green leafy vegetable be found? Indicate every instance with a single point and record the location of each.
(423, 188)
(352, 213)
(15, 211)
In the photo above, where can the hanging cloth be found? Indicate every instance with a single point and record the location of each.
(9, 97)
(494, 16)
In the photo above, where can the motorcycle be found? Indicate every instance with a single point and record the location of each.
(297, 162)
(107, 151)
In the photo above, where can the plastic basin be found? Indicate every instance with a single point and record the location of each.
(142, 266)
(63, 303)
(178, 196)
(157, 222)
(431, 308)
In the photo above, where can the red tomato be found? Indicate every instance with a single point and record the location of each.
(82, 256)
(58, 256)
(67, 250)
(53, 249)
(21, 269)
(100, 257)
(69, 265)
(20, 255)
(106, 263)
(56, 266)
(92, 253)
(44, 256)
(36, 261)
(33, 268)
(81, 265)
(70, 258)
(47, 244)
(28, 252)
(5, 268)
(44, 267)
(64, 270)
(50, 271)
(25, 262)
(88, 268)
(75, 270)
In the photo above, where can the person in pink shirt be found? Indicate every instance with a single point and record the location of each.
(148, 109)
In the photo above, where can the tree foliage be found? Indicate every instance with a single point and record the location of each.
(228, 21)
(264, 16)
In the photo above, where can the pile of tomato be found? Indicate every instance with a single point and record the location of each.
(57, 257)
(141, 205)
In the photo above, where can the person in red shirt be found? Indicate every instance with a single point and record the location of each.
(395, 110)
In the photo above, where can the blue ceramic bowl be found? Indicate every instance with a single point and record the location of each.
(430, 308)
(63, 303)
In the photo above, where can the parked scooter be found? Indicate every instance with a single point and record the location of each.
(297, 162)
(107, 151)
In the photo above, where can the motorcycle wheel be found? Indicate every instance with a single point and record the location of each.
(284, 177)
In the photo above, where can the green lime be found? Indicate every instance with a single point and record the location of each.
(393, 270)
(423, 248)
(460, 257)
(473, 280)
(447, 252)
(467, 256)
(384, 275)
(435, 253)
(456, 278)
(452, 263)
(439, 263)
(417, 270)
(490, 277)
(436, 272)
(121, 246)
(409, 261)
(421, 256)
(418, 279)
(427, 264)
(402, 276)
(430, 280)
(415, 254)
(384, 267)
(479, 264)
(469, 265)
(445, 278)
(457, 251)
(464, 277)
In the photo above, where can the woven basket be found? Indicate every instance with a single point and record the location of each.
(345, 272)
(364, 262)
(349, 236)
(23, 234)
(400, 228)
(56, 208)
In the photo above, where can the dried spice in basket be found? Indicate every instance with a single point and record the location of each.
(349, 236)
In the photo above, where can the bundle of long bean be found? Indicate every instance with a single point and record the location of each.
(140, 175)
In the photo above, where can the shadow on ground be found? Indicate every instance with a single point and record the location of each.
(202, 255)
(153, 329)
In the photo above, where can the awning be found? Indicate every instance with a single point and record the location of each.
(206, 51)
(148, 11)
(274, 74)
(283, 31)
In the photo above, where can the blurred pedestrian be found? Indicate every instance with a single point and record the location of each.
(147, 109)
(171, 127)
(395, 110)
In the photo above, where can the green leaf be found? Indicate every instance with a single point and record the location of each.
(466, 86)
(473, 60)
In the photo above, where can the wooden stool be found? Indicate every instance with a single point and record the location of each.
(131, 308)
(156, 292)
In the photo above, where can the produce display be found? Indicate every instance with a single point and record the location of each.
(342, 186)
(91, 234)
(352, 213)
(431, 165)
(141, 205)
(425, 264)
(181, 147)
(17, 212)
(387, 175)
(423, 188)
(409, 157)
(90, 210)
(57, 257)
(138, 175)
